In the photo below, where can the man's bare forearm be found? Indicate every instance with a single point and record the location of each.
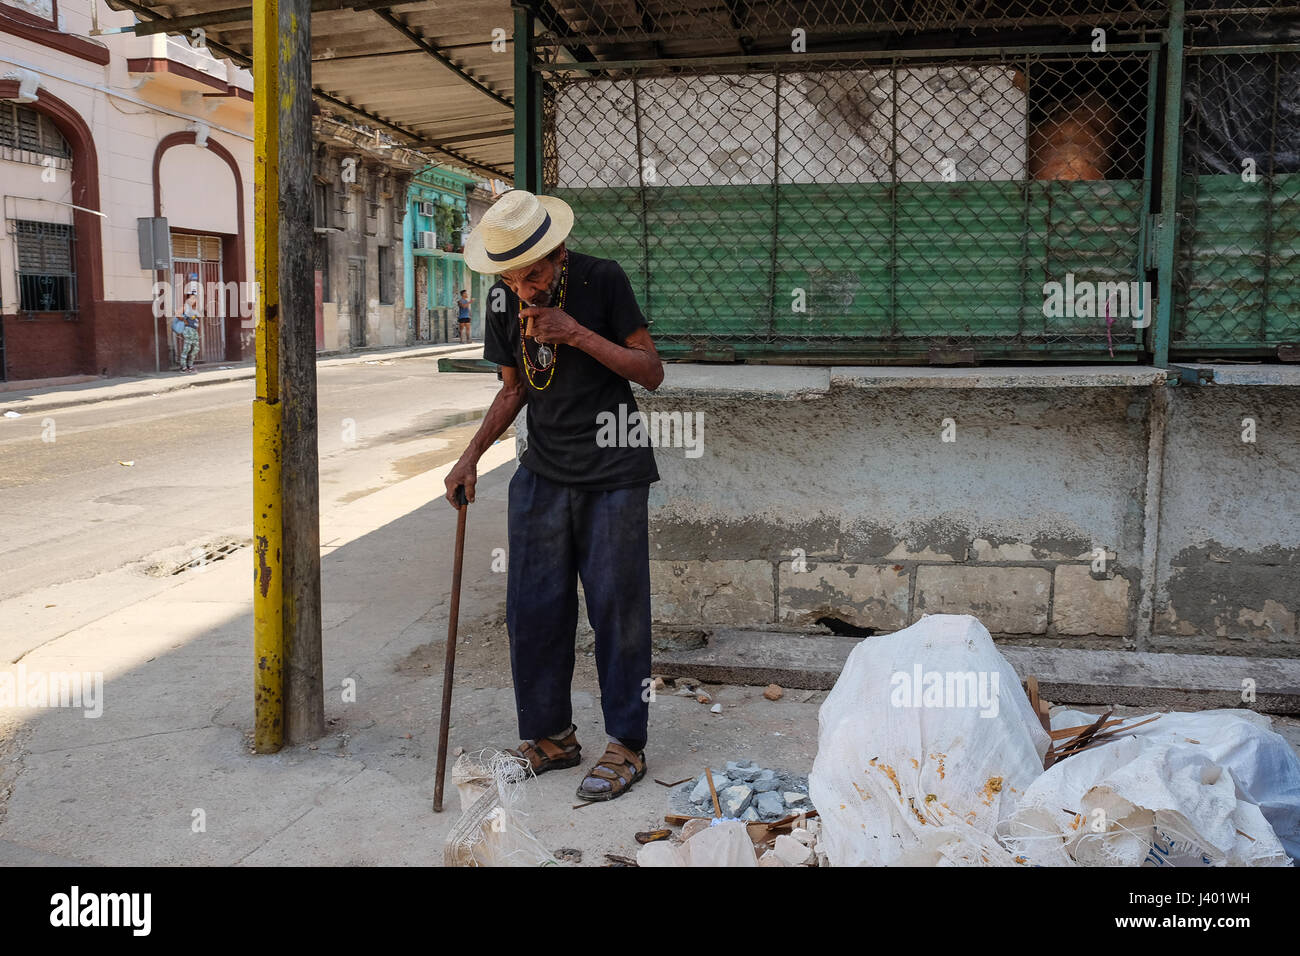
(500, 416)
(636, 365)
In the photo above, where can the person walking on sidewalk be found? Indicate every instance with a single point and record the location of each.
(190, 315)
(568, 334)
(462, 314)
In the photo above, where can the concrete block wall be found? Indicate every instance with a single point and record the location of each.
(1107, 513)
(1228, 567)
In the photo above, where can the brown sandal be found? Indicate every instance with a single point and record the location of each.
(547, 754)
(613, 775)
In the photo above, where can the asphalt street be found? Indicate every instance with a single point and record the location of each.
(90, 488)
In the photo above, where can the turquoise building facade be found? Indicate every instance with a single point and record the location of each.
(434, 231)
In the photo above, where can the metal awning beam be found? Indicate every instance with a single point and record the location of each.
(412, 51)
(648, 25)
(737, 10)
(417, 142)
(442, 58)
(244, 15)
(480, 135)
(243, 59)
(559, 27)
(366, 56)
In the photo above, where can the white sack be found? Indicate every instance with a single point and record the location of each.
(1187, 789)
(926, 742)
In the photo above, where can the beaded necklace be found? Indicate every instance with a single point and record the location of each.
(546, 357)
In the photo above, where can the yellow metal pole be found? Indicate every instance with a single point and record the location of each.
(268, 579)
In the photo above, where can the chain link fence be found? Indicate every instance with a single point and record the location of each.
(990, 200)
(1238, 268)
(659, 29)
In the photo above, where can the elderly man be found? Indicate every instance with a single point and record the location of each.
(568, 334)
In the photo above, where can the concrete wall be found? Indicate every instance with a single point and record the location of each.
(1229, 555)
(1027, 497)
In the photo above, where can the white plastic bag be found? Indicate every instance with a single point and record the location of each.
(924, 745)
(492, 829)
(1187, 789)
(1263, 765)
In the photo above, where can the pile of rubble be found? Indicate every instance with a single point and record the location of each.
(721, 841)
(741, 815)
(746, 792)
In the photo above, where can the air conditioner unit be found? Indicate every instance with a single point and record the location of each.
(426, 240)
(426, 209)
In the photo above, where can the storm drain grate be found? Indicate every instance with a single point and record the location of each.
(201, 558)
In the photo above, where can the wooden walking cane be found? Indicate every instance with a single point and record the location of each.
(449, 665)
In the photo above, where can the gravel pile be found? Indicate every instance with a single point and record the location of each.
(746, 791)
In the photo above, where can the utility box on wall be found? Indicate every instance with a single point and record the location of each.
(155, 242)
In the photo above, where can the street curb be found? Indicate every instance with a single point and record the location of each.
(36, 403)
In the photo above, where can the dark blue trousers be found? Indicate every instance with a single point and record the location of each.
(558, 534)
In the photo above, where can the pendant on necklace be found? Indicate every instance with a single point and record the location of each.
(544, 355)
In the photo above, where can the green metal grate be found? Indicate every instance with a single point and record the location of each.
(879, 210)
(1238, 269)
(906, 181)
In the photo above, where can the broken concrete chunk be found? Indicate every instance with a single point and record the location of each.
(771, 859)
(660, 853)
(770, 804)
(803, 836)
(735, 799)
(792, 852)
(750, 815)
(701, 792)
(743, 771)
(792, 798)
(715, 709)
(766, 781)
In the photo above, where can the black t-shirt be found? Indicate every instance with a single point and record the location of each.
(582, 401)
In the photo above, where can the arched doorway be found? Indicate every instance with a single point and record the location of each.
(200, 191)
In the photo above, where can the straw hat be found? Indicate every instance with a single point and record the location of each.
(519, 229)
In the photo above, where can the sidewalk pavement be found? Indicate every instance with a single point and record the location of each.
(49, 394)
(166, 776)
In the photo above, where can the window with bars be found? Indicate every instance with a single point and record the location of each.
(372, 201)
(26, 135)
(386, 275)
(321, 203)
(47, 276)
(320, 256)
(203, 248)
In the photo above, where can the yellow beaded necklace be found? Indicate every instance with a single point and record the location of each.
(529, 368)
